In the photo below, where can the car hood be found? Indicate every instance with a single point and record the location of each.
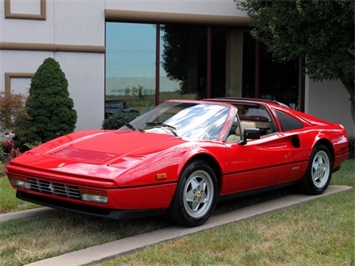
(95, 152)
(104, 147)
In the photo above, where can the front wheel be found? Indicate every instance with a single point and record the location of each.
(318, 174)
(196, 195)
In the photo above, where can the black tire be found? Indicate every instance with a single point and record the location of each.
(318, 174)
(196, 195)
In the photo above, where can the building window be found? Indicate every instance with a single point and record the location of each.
(184, 61)
(149, 63)
(130, 65)
(265, 78)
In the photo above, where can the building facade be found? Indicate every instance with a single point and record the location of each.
(144, 52)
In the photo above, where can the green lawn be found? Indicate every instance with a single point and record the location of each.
(319, 232)
(8, 200)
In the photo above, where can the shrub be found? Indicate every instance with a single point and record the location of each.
(2, 169)
(49, 109)
(32, 145)
(8, 151)
(118, 120)
(11, 106)
(2, 153)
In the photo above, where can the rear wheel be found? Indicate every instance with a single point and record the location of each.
(196, 195)
(318, 174)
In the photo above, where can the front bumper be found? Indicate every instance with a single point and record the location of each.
(87, 209)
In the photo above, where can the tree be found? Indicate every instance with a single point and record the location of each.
(321, 31)
(49, 110)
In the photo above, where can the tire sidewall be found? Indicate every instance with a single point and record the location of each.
(308, 182)
(180, 213)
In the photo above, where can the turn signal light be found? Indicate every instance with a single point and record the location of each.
(161, 176)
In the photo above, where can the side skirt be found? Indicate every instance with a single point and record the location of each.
(257, 191)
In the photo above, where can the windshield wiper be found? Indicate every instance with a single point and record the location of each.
(159, 124)
(133, 128)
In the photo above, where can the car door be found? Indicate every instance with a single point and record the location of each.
(273, 159)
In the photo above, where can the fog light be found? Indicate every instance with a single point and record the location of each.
(93, 195)
(21, 182)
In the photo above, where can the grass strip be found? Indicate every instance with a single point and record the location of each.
(8, 200)
(319, 232)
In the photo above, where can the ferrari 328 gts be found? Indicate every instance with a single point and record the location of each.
(181, 158)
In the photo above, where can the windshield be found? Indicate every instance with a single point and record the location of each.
(184, 119)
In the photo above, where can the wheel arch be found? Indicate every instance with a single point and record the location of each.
(327, 143)
(180, 210)
(212, 162)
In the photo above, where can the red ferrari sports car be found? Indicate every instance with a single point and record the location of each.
(181, 158)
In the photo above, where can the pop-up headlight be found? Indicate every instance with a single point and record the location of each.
(96, 196)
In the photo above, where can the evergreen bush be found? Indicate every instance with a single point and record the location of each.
(118, 120)
(49, 110)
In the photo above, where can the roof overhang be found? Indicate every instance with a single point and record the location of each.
(168, 17)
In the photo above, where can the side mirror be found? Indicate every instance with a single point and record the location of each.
(250, 133)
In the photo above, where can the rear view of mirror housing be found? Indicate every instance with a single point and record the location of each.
(250, 133)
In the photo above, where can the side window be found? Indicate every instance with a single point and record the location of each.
(256, 116)
(288, 122)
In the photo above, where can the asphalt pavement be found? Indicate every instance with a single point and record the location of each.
(129, 244)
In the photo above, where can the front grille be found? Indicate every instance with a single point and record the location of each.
(55, 189)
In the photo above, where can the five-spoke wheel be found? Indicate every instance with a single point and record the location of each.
(196, 195)
(318, 174)
(320, 169)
